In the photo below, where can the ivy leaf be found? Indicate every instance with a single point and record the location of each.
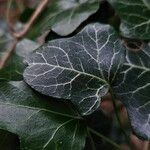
(83, 68)
(77, 68)
(39, 124)
(64, 16)
(135, 17)
(147, 3)
(133, 87)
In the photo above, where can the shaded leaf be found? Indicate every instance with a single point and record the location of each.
(147, 3)
(135, 17)
(64, 16)
(39, 124)
(8, 141)
(77, 68)
(133, 88)
(103, 125)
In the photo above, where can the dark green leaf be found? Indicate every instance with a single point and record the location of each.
(78, 68)
(147, 3)
(133, 87)
(135, 17)
(82, 68)
(39, 124)
(64, 16)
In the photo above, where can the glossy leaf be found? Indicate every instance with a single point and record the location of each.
(77, 68)
(135, 17)
(133, 88)
(39, 124)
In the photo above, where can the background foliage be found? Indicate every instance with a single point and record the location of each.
(30, 120)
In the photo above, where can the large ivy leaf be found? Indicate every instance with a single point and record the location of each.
(39, 124)
(64, 16)
(135, 17)
(133, 87)
(77, 68)
(82, 68)
(19, 102)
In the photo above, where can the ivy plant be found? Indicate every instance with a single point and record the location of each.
(135, 17)
(85, 67)
(50, 92)
(65, 13)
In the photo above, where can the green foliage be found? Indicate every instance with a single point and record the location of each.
(39, 124)
(135, 17)
(68, 14)
(77, 68)
(83, 68)
(133, 87)
(69, 77)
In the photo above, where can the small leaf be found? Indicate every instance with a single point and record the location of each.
(135, 17)
(39, 124)
(133, 88)
(78, 68)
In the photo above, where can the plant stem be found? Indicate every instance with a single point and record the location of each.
(35, 15)
(20, 35)
(146, 145)
(118, 118)
(104, 138)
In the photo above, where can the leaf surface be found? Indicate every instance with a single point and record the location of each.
(64, 16)
(77, 68)
(133, 88)
(39, 124)
(84, 67)
(135, 17)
